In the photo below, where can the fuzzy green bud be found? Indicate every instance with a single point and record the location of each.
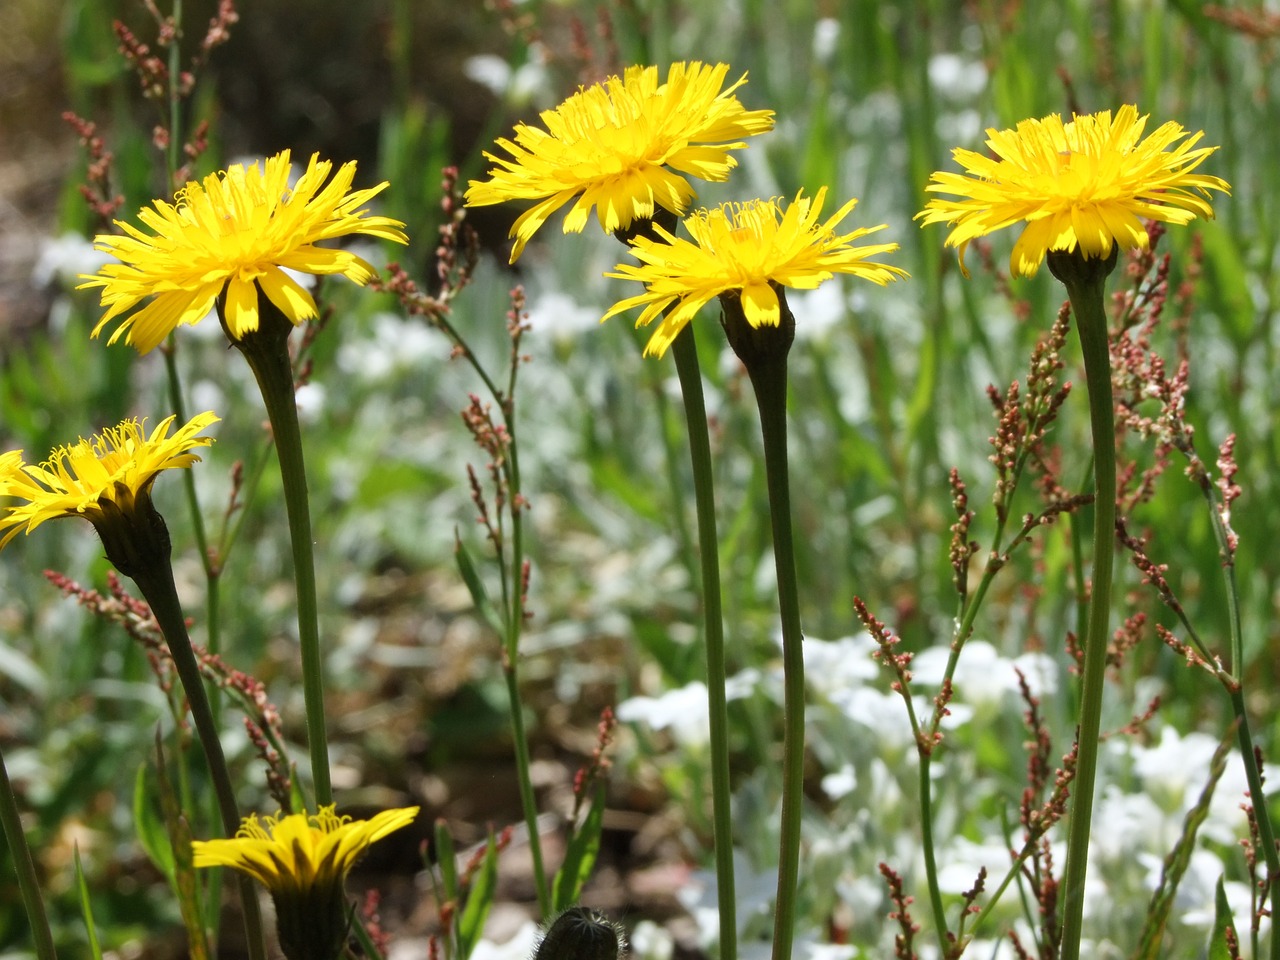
(580, 933)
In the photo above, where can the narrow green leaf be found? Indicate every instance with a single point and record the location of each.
(362, 935)
(479, 595)
(447, 858)
(86, 907)
(479, 900)
(580, 856)
(296, 796)
(1222, 921)
(149, 826)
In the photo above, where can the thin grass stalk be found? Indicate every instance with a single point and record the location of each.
(528, 802)
(1266, 831)
(514, 585)
(671, 460)
(511, 577)
(686, 357)
(172, 157)
(213, 638)
(178, 408)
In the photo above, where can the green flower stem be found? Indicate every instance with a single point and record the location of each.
(763, 351)
(1085, 281)
(155, 581)
(266, 350)
(686, 356)
(771, 396)
(20, 853)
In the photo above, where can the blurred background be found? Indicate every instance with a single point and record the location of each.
(888, 393)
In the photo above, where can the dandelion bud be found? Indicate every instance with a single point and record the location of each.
(580, 933)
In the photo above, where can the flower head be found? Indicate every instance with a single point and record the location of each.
(746, 249)
(103, 479)
(1084, 185)
(231, 235)
(303, 861)
(10, 465)
(623, 146)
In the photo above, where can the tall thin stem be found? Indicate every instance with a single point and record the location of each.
(513, 588)
(686, 356)
(266, 350)
(28, 883)
(771, 395)
(155, 581)
(763, 351)
(1085, 281)
(1235, 690)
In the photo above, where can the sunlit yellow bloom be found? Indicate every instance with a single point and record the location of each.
(298, 851)
(231, 235)
(303, 860)
(623, 145)
(744, 248)
(10, 464)
(1082, 185)
(101, 479)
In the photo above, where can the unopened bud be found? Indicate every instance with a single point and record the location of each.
(580, 933)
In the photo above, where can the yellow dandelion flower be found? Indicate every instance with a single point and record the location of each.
(302, 861)
(10, 465)
(232, 235)
(102, 479)
(621, 147)
(1082, 185)
(746, 249)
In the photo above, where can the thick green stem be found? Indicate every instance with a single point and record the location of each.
(1085, 281)
(763, 351)
(686, 356)
(771, 395)
(267, 352)
(155, 580)
(28, 883)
